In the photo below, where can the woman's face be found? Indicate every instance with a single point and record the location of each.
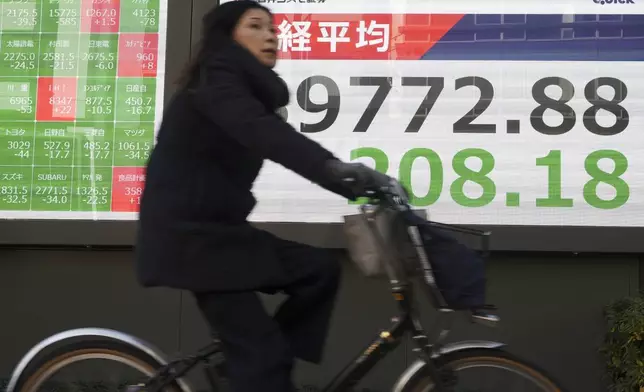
(255, 32)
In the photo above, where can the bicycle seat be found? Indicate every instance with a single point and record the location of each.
(485, 318)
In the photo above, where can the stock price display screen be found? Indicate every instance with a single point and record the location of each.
(488, 112)
(80, 88)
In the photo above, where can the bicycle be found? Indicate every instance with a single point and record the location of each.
(435, 369)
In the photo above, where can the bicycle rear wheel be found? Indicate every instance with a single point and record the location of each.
(136, 368)
(518, 375)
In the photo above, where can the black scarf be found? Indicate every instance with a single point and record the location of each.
(265, 83)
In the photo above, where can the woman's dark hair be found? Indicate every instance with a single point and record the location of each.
(218, 26)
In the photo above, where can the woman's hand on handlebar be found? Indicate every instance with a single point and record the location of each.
(360, 179)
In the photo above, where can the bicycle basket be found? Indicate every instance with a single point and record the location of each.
(459, 270)
(369, 250)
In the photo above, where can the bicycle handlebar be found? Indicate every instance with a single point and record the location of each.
(395, 195)
(392, 192)
(385, 188)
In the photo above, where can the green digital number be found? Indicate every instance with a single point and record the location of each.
(435, 175)
(479, 177)
(553, 162)
(622, 190)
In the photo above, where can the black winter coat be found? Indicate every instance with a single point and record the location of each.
(215, 135)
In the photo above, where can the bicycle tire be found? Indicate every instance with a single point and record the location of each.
(50, 363)
(421, 382)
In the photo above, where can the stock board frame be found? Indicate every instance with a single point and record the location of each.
(59, 233)
(184, 25)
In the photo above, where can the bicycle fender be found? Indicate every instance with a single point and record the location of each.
(419, 364)
(75, 334)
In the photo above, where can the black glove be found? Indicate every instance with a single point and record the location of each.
(357, 177)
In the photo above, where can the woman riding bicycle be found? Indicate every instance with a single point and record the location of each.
(194, 235)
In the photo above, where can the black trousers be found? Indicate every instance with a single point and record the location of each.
(260, 349)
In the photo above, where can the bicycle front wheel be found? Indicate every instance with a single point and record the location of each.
(100, 365)
(479, 370)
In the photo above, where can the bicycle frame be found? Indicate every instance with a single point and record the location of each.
(407, 321)
(402, 290)
(359, 367)
(387, 340)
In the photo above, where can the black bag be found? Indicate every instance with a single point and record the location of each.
(459, 271)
